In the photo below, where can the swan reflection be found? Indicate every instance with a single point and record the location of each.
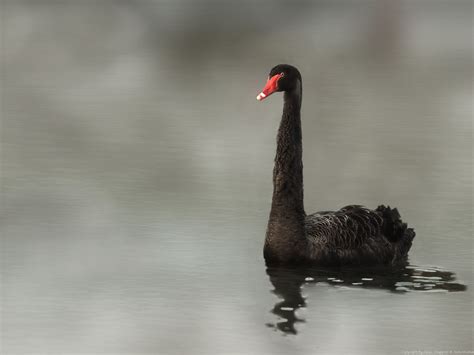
(288, 283)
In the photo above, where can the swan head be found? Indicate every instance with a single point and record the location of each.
(283, 77)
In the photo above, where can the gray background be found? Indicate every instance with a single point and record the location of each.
(136, 170)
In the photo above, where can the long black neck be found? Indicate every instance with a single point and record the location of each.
(288, 170)
(286, 223)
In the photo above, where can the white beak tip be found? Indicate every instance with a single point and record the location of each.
(261, 96)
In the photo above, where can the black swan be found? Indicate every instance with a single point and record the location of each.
(353, 235)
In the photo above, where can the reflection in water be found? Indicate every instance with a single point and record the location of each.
(288, 283)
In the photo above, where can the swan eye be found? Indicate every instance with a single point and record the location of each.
(282, 74)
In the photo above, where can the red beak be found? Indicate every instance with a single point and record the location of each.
(270, 87)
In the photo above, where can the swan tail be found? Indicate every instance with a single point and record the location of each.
(395, 230)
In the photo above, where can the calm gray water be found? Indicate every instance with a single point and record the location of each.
(136, 175)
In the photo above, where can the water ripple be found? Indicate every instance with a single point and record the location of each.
(288, 283)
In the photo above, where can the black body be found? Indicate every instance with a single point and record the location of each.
(353, 235)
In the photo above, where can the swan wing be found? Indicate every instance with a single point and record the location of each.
(349, 228)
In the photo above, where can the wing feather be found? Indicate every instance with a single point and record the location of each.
(349, 228)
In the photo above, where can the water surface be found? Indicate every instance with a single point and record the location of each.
(136, 176)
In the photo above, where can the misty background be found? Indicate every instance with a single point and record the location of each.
(136, 169)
